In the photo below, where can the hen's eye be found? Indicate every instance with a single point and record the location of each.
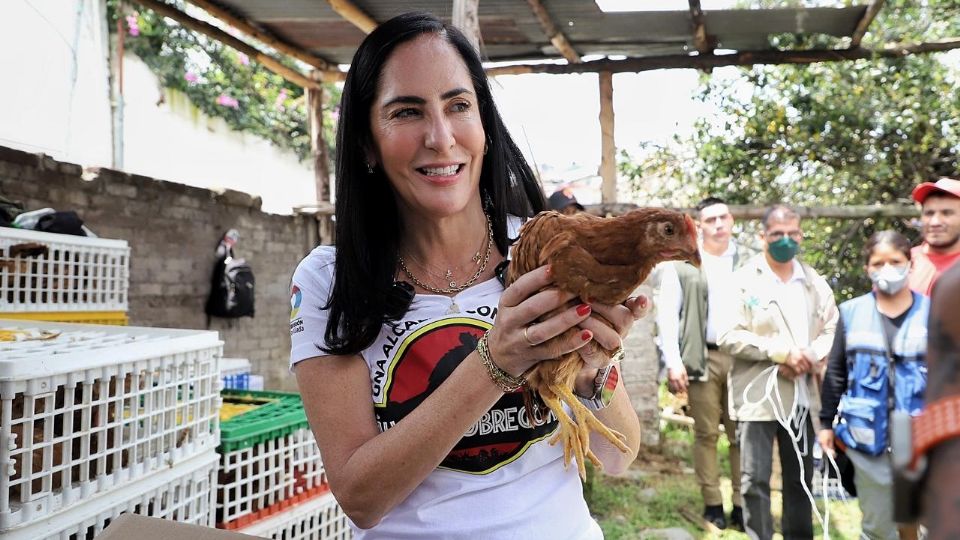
(668, 229)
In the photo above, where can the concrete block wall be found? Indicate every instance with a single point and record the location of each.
(640, 368)
(173, 230)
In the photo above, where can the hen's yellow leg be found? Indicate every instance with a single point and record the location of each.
(587, 421)
(566, 433)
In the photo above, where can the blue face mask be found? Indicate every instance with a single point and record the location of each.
(784, 249)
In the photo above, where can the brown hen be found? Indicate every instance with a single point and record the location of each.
(600, 260)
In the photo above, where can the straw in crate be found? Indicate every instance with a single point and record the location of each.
(47, 272)
(183, 493)
(317, 519)
(269, 460)
(86, 409)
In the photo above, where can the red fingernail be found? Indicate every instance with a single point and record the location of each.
(586, 335)
(583, 310)
(643, 301)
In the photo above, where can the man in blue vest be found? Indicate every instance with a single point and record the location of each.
(783, 327)
(693, 308)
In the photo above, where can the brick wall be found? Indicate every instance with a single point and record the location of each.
(173, 230)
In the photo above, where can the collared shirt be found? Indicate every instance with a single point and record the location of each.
(792, 298)
(721, 298)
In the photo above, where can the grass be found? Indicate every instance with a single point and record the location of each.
(660, 491)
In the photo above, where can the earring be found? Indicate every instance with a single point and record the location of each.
(369, 168)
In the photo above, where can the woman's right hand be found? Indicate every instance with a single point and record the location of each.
(518, 341)
(825, 438)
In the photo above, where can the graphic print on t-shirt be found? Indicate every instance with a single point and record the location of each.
(421, 360)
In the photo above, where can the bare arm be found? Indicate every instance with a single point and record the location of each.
(942, 491)
(619, 415)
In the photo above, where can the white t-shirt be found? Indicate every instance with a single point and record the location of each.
(502, 480)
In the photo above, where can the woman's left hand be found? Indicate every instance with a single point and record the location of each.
(608, 332)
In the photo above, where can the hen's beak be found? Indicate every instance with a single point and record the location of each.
(693, 250)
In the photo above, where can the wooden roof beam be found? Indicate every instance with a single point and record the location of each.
(263, 36)
(213, 32)
(700, 40)
(354, 15)
(746, 211)
(556, 37)
(741, 58)
(864, 23)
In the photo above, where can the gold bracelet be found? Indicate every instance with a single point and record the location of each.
(506, 381)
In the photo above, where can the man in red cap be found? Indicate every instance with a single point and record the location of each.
(940, 218)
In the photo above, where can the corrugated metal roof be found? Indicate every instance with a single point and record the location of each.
(511, 31)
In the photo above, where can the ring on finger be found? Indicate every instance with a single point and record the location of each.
(527, 337)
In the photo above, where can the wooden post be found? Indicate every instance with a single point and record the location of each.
(321, 162)
(465, 18)
(608, 147)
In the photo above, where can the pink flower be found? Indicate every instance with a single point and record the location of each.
(227, 101)
(244, 59)
(281, 98)
(132, 25)
(190, 77)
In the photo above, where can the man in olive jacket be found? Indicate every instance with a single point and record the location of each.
(786, 318)
(695, 306)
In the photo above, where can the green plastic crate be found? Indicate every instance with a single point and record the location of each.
(281, 413)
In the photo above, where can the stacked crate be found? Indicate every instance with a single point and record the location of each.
(317, 519)
(271, 478)
(63, 278)
(100, 420)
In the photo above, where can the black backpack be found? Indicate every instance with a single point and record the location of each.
(231, 286)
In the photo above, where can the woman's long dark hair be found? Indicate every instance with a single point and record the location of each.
(368, 227)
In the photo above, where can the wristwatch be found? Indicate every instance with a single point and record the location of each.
(911, 438)
(604, 384)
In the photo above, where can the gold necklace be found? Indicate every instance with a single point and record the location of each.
(435, 274)
(453, 287)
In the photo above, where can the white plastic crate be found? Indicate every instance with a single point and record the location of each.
(180, 493)
(317, 519)
(265, 478)
(235, 373)
(75, 273)
(98, 407)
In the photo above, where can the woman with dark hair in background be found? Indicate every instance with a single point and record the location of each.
(407, 349)
(881, 339)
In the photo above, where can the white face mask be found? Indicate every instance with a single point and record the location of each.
(890, 279)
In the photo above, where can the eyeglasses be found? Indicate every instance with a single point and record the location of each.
(775, 236)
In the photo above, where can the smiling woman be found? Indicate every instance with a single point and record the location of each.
(409, 352)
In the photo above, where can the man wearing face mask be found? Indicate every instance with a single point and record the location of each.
(940, 217)
(785, 320)
(881, 338)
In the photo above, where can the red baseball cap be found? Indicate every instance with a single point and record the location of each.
(944, 185)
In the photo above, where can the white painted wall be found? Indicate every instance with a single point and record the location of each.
(54, 95)
(54, 98)
(174, 141)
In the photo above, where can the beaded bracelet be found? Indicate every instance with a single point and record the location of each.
(506, 382)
